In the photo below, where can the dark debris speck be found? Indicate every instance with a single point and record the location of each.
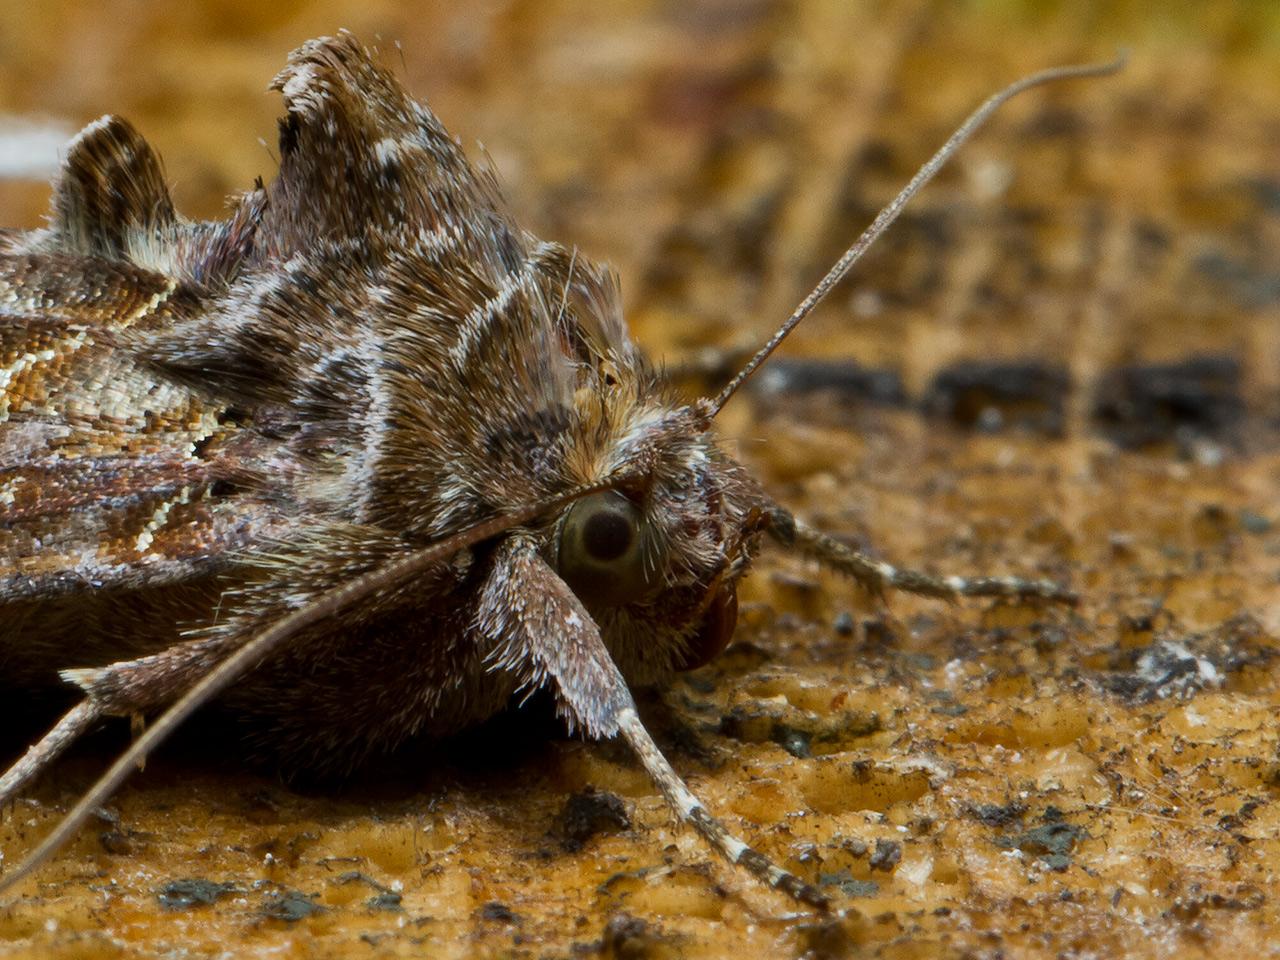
(1176, 668)
(191, 892)
(886, 856)
(291, 906)
(588, 813)
(997, 815)
(795, 742)
(500, 912)
(1052, 842)
(848, 884)
(387, 900)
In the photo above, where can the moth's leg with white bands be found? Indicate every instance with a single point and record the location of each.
(540, 632)
(40, 755)
(876, 575)
(689, 809)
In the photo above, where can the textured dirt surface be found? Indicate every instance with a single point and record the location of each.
(1065, 361)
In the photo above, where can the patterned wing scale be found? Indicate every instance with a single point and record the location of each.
(110, 473)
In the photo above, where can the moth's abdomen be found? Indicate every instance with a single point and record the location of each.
(360, 688)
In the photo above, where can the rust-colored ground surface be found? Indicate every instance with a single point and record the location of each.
(1074, 350)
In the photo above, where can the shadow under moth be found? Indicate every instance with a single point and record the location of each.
(363, 461)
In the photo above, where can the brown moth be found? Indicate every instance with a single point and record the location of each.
(362, 461)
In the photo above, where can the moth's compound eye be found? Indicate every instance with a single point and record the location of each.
(607, 535)
(602, 550)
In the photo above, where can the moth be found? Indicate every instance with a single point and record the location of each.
(363, 461)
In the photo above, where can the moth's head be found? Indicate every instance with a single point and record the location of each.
(657, 560)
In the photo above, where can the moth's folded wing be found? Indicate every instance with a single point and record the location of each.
(111, 474)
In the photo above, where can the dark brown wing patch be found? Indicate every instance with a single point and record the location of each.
(360, 159)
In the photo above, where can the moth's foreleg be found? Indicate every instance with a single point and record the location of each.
(541, 633)
(40, 756)
(877, 576)
(690, 810)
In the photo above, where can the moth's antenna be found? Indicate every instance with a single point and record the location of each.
(257, 648)
(890, 212)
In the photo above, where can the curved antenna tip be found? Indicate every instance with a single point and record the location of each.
(1117, 63)
(890, 212)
